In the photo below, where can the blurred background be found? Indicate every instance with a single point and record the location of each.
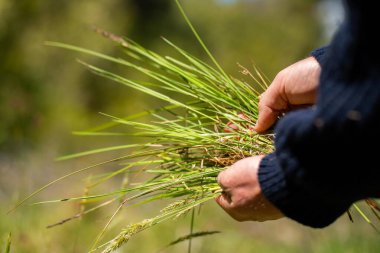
(45, 95)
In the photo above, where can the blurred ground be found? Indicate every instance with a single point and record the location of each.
(45, 94)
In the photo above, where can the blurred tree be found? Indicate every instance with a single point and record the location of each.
(151, 17)
(22, 97)
(272, 33)
(34, 78)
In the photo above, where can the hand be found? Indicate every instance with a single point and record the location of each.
(242, 198)
(293, 87)
(230, 126)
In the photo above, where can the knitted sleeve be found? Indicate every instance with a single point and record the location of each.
(320, 54)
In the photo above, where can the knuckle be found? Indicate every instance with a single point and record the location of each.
(280, 76)
(220, 179)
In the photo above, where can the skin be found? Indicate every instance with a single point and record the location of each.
(242, 198)
(292, 88)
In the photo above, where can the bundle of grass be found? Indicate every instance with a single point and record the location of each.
(188, 142)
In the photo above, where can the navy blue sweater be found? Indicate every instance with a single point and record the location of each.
(326, 157)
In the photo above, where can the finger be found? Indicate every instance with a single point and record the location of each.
(224, 202)
(271, 104)
(231, 127)
(242, 116)
(229, 209)
(219, 179)
(267, 117)
(224, 179)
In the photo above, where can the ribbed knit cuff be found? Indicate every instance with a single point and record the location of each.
(319, 54)
(294, 202)
(271, 179)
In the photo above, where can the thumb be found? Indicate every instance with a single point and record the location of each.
(267, 117)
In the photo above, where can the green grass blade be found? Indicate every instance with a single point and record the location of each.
(60, 179)
(8, 244)
(100, 150)
(191, 236)
(201, 41)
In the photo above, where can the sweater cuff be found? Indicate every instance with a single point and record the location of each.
(272, 180)
(293, 201)
(320, 54)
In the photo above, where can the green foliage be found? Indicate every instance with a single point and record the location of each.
(191, 236)
(7, 248)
